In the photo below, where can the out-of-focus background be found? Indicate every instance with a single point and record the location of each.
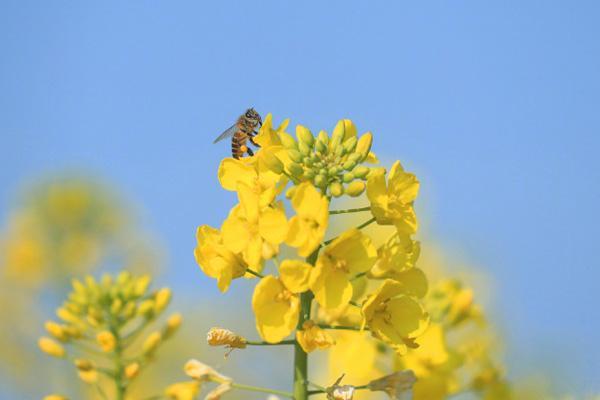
(110, 108)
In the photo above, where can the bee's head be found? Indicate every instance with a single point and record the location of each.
(252, 115)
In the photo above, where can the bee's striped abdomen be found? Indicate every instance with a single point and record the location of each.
(238, 144)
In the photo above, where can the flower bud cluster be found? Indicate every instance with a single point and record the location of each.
(333, 163)
(107, 316)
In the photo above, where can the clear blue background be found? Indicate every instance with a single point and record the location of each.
(495, 105)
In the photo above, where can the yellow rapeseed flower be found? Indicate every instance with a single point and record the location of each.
(132, 370)
(393, 316)
(350, 254)
(183, 390)
(308, 226)
(431, 353)
(253, 229)
(311, 337)
(106, 340)
(276, 309)
(392, 204)
(398, 254)
(247, 171)
(215, 259)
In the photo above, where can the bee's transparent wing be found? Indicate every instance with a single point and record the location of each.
(228, 133)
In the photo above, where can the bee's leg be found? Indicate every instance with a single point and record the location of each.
(250, 152)
(253, 142)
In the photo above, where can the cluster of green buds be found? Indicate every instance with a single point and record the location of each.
(333, 164)
(102, 325)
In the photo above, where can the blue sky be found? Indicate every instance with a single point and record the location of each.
(493, 104)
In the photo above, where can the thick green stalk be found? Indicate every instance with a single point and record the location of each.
(300, 356)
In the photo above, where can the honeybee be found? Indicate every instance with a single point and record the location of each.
(241, 132)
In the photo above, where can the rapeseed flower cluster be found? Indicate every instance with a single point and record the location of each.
(105, 329)
(311, 287)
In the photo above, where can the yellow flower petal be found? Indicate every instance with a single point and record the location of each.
(233, 172)
(276, 309)
(330, 286)
(272, 225)
(295, 275)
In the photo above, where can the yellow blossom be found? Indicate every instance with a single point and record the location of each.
(132, 370)
(311, 337)
(89, 376)
(392, 204)
(151, 342)
(51, 347)
(55, 397)
(106, 340)
(161, 300)
(215, 259)
(225, 337)
(393, 316)
(250, 172)
(173, 323)
(396, 385)
(308, 226)
(56, 330)
(350, 254)
(398, 254)
(183, 390)
(432, 351)
(254, 230)
(276, 309)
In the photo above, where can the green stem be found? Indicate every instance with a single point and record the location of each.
(349, 210)
(345, 328)
(300, 356)
(262, 390)
(283, 342)
(119, 367)
(248, 270)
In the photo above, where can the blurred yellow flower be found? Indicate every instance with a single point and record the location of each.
(398, 254)
(215, 259)
(393, 316)
(350, 254)
(55, 397)
(392, 204)
(355, 355)
(132, 370)
(51, 347)
(431, 353)
(151, 343)
(311, 337)
(307, 228)
(106, 340)
(203, 373)
(253, 229)
(183, 390)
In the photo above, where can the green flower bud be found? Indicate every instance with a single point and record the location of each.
(304, 135)
(288, 141)
(336, 189)
(338, 132)
(350, 144)
(320, 181)
(272, 162)
(348, 165)
(116, 306)
(129, 310)
(295, 155)
(323, 137)
(363, 147)
(304, 148)
(332, 171)
(354, 157)
(321, 147)
(348, 177)
(309, 173)
(295, 169)
(355, 188)
(361, 171)
(145, 308)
